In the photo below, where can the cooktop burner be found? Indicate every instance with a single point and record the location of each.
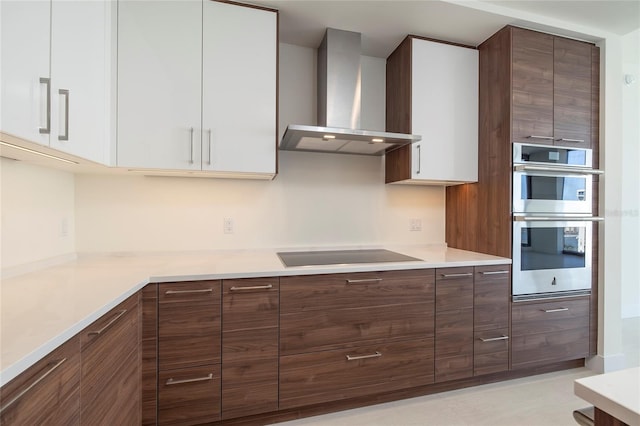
(341, 257)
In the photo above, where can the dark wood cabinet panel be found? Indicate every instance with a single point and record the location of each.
(251, 344)
(250, 303)
(547, 317)
(111, 367)
(531, 86)
(149, 348)
(46, 393)
(454, 288)
(490, 351)
(189, 396)
(249, 388)
(348, 373)
(491, 297)
(189, 324)
(453, 367)
(572, 92)
(454, 333)
(539, 349)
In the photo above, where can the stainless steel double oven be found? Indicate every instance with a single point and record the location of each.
(552, 221)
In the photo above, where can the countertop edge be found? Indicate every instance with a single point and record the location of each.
(620, 411)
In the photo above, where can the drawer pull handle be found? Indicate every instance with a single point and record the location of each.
(109, 324)
(494, 272)
(206, 290)
(466, 274)
(570, 140)
(364, 281)
(357, 357)
(545, 138)
(495, 339)
(554, 310)
(197, 379)
(255, 287)
(34, 384)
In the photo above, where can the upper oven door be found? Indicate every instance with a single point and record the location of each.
(552, 155)
(550, 191)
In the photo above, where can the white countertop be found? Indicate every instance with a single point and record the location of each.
(617, 393)
(40, 310)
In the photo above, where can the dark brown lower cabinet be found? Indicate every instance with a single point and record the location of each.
(48, 393)
(550, 331)
(317, 377)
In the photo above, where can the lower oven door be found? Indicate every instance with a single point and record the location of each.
(551, 255)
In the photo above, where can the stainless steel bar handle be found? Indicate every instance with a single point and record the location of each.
(109, 324)
(364, 281)
(554, 310)
(556, 218)
(544, 138)
(197, 379)
(65, 136)
(357, 357)
(47, 128)
(205, 290)
(494, 272)
(254, 287)
(419, 158)
(466, 274)
(190, 145)
(209, 143)
(553, 169)
(570, 140)
(33, 385)
(495, 339)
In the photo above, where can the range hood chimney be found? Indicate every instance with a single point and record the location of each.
(339, 86)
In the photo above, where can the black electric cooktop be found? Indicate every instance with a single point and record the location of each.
(341, 257)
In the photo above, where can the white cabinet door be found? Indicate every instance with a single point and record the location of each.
(25, 63)
(159, 84)
(79, 71)
(239, 88)
(444, 112)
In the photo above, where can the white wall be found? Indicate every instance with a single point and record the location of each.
(35, 202)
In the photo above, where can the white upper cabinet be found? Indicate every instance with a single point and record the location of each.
(55, 74)
(197, 87)
(239, 89)
(445, 112)
(159, 84)
(25, 83)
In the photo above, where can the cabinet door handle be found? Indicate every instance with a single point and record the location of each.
(570, 140)
(209, 143)
(357, 357)
(544, 138)
(554, 310)
(494, 339)
(54, 366)
(190, 145)
(206, 290)
(419, 158)
(47, 128)
(494, 272)
(466, 274)
(197, 379)
(364, 281)
(65, 93)
(254, 287)
(109, 324)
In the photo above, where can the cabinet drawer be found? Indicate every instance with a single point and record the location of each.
(547, 317)
(454, 367)
(189, 396)
(454, 288)
(249, 388)
(491, 291)
(357, 290)
(46, 393)
(539, 349)
(490, 351)
(454, 333)
(347, 373)
(250, 303)
(188, 324)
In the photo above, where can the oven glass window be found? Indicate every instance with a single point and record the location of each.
(554, 155)
(554, 188)
(553, 248)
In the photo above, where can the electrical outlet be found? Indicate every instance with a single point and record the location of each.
(227, 225)
(415, 225)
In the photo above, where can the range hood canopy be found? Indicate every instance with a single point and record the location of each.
(339, 86)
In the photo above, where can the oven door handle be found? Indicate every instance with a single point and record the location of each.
(569, 170)
(556, 218)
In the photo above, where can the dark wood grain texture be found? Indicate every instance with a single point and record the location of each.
(111, 371)
(491, 297)
(595, 146)
(317, 377)
(189, 324)
(196, 401)
(55, 397)
(490, 356)
(149, 350)
(454, 288)
(249, 388)
(602, 418)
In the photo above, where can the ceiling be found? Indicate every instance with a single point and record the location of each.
(384, 24)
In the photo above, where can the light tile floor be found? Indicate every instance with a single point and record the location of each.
(543, 400)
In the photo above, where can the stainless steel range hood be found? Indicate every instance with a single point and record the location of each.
(339, 85)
